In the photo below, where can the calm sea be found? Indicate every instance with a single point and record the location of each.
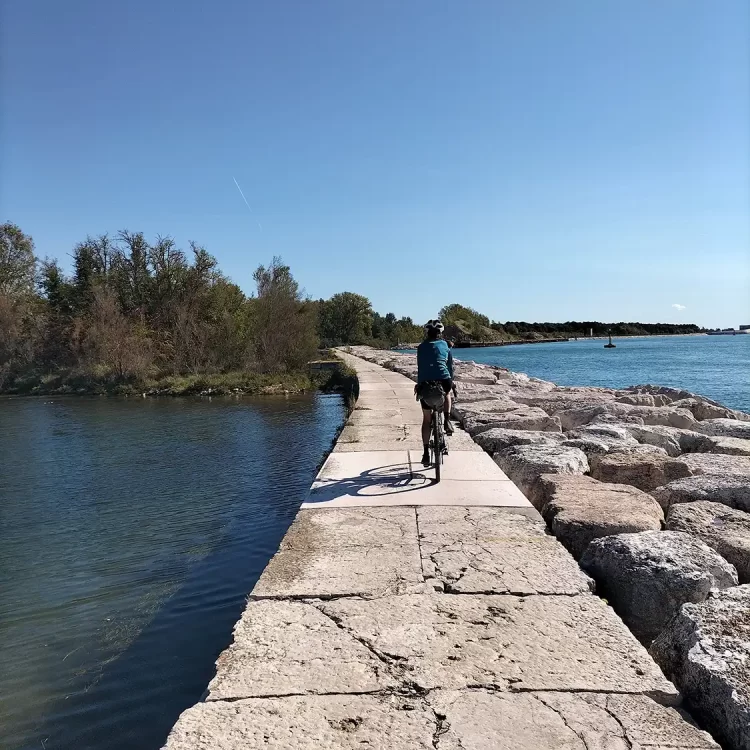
(131, 532)
(713, 366)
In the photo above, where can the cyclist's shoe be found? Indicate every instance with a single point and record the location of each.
(426, 458)
(448, 427)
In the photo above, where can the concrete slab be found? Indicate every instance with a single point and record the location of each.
(375, 385)
(500, 492)
(468, 466)
(333, 722)
(355, 433)
(460, 556)
(290, 648)
(362, 439)
(461, 442)
(338, 528)
(385, 417)
(564, 643)
(349, 571)
(371, 446)
(447, 525)
(374, 465)
(484, 720)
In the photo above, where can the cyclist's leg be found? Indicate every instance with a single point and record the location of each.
(447, 406)
(426, 418)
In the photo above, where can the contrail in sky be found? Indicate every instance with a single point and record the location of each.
(246, 203)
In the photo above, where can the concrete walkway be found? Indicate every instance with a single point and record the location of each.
(377, 458)
(400, 614)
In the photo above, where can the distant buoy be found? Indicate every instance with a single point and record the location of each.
(610, 345)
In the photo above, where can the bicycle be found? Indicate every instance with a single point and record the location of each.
(438, 445)
(432, 395)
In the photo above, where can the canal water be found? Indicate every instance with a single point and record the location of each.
(131, 531)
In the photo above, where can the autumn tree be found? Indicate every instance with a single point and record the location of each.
(17, 262)
(284, 322)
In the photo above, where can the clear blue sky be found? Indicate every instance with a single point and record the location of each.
(585, 159)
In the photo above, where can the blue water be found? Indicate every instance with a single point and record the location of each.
(131, 532)
(713, 366)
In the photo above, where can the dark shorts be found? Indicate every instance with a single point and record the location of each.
(447, 385)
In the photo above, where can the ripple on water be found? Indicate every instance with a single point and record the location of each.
(130, 535)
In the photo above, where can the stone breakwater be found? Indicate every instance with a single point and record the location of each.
(400, 614)
(649, 489)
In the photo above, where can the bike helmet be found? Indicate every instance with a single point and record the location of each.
(434, 325)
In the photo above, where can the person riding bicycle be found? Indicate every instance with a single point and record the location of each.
(434, 363)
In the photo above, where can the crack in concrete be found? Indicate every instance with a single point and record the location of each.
(390, 660)
(441, 727)
(384, 692)
(564, 720)
(419, 544)
(619, 723)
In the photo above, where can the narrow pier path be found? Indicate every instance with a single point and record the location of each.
(400, 614)
(377, 458)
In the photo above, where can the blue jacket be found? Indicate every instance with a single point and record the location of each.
(434, 361)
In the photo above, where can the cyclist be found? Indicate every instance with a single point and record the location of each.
(434, 363)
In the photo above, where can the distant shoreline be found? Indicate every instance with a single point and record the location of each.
(519, 342)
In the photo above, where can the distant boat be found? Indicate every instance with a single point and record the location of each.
(610, 345)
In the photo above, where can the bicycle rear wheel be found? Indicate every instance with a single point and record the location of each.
(437, 442)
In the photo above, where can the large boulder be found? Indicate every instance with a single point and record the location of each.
(678, 395)
(640, 399)
(495, 405)
(644, 469)
(591, 446)
(498, 438)
(470, 372)
(599, 438)
(579, 509)
(716, 463)
(472, 392)
(703, 408)
(616, 419)
(523, 418)
(568, 398)
(525, 464)
(724, 529)
(571, 418)
(673, 440)
(669, 416)
(648, 576)
(578, 415)
(705, 650)
(725, 428)
(732, 490)
(731, 446)
(613, 435)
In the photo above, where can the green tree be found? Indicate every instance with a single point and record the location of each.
(347, 318)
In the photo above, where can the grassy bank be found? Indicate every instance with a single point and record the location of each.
(217, 384)
(336, 378)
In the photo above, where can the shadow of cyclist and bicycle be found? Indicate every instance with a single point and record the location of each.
(393, 479)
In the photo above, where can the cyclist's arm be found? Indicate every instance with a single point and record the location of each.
(450, 363)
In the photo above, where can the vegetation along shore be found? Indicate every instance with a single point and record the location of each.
(148, 318)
